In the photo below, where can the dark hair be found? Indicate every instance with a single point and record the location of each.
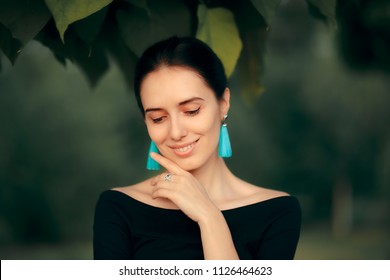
(186, 52)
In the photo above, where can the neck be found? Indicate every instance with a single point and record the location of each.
(215, 177)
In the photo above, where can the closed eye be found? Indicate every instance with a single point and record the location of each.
(158, 120)
(193, 112)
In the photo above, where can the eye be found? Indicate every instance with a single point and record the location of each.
(158, 120)
(193, 112)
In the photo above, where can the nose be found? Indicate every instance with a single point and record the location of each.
(178, 129)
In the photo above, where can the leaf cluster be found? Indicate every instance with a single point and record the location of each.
(90, 32)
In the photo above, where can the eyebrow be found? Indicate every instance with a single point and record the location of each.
(180, 104)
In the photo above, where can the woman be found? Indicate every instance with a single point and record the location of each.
(197, 209)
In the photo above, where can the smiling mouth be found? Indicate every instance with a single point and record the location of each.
(185, 150)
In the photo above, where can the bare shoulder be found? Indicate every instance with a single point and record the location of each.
(266, 193)
(136, 191)
(247, 193)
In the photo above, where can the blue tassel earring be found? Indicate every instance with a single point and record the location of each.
(151, 164)
(224, 148)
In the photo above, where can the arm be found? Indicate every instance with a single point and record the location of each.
(217, 241)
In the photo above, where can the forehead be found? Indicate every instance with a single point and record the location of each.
(173, 84)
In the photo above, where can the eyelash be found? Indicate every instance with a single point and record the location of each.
(158, 120)
(188, 113)
(193, 112)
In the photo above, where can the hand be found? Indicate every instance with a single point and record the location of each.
(183, 189)
(191, 197)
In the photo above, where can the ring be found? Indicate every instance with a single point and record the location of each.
(168, 177)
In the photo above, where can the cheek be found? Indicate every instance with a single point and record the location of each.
(214, 133)
(210, 127)
(157, 133)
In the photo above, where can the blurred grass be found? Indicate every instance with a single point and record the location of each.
(316, 243)
(65, 251)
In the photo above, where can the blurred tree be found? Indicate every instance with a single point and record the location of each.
(59, 149)
(332, 124)
(364, 34)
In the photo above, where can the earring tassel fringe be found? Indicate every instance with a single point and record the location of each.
(224, 149)
(151, 164)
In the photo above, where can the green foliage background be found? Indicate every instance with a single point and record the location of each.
(309, 112)
(87, 32)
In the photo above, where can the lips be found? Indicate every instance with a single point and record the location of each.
(184, 150)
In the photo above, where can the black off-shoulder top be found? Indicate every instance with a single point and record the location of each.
(125, 228)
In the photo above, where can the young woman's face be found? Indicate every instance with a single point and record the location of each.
(183, 115)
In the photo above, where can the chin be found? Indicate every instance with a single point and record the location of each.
(188, 164)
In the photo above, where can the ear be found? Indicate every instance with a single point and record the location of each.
(224, 103)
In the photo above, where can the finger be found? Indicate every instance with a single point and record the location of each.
(163, 177)
(162, 189)
(154, 180)
(159, 178)
(168, 164)
(160, 193)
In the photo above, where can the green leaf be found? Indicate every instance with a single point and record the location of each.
(24, 18)
(218, 29)
(267, 8)
(94, 65)
(66, 12)
(89, 27)
(327, 8)
(91, 59)
(10, 46)
(250, 66)
(143, 4)
(142, 27)
(50, 38)
(123, 56)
